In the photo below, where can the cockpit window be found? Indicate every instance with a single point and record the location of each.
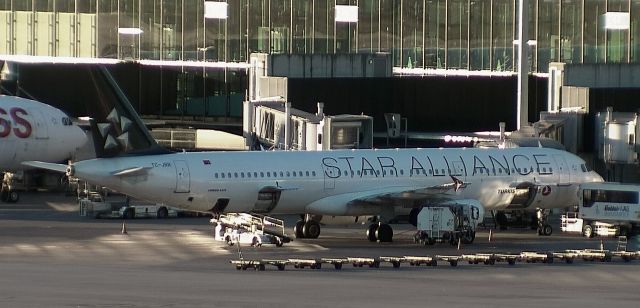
(66, 121)
(585, 168)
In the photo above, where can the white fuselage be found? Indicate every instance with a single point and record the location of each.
(30, 130)
(352, 182)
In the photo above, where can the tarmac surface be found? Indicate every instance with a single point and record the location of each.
(51, 257)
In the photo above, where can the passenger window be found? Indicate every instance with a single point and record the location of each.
(300, 173)
(235, 174)
(425, 172)
(222, 174)
(255, 174)
(281, 174)
(550, 169)
(248, 174)
(294, 174)
(242, 175)
(288, 174)
(401, 172)
(229, 174)
(215, 175)
(268, 174)
(358, 172)
(307, 173)
(313, 173)
(261, 174)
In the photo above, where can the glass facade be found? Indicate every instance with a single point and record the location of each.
(423, 34)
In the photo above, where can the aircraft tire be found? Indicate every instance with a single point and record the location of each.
(384, 233)
(311, 229)
(371, 232)
(297, 229)
(547, 230)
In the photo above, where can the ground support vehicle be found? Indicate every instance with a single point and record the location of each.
(96, 207)
(571, 222)
(448, 223)
(360, 262)
(593, 255)
(249, 229)
(480, 258)
(605, 209)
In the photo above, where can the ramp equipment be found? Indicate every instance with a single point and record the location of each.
(568, 256)
(250, 229)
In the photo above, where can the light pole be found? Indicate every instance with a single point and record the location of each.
(523, 67)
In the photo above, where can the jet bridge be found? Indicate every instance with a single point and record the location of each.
(276, 125)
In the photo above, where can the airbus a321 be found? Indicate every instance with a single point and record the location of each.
(330, 183)
(32, 130)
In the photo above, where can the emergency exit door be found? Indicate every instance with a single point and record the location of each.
(183, 179)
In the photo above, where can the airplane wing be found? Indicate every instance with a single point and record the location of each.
(367, 201)
(445, 191)
(133, 171)
(48, 166)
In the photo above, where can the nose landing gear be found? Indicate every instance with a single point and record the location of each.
(544, 228)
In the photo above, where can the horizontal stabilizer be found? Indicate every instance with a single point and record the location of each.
(133, 171)
(48, 166)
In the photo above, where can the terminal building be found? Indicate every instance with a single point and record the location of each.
(445, 65)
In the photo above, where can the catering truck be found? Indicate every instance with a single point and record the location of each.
(605, 209)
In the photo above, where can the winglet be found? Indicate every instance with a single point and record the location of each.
(48, 166)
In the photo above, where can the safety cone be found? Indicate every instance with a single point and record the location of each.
(490, 235)
(459, 243)
(601, 245)
(124, 228)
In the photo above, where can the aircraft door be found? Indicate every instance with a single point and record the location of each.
(42, 130)
(564, 174)
(183, 178)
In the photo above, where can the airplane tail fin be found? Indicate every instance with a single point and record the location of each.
(116, 127)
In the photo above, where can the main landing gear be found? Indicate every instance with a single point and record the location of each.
(380, 232)
(307, 229)
(544, 228)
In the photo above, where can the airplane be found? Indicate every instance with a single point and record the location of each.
(331, 183)
(32, 130)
